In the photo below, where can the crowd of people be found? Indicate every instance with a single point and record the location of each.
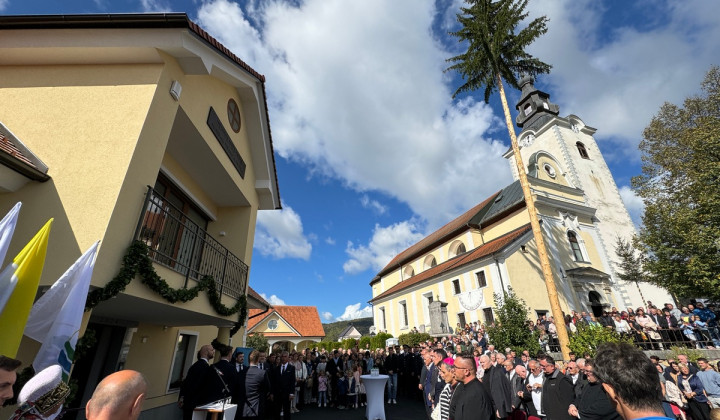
(459, 376)
(651, 328)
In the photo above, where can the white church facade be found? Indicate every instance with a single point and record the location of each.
(491, 247)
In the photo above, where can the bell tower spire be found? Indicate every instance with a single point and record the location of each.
(534, 106)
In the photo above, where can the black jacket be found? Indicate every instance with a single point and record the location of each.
(471, 402)
(557, 395)
(498, 386)
(594, 404)
(198, 386)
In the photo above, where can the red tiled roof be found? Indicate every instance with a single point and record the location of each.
(435, 238)
(466, 258)
(304, 319)
(7, 146)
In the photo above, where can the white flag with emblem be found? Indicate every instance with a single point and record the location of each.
(56, 317)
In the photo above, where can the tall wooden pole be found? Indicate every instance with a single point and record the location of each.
(537, 232)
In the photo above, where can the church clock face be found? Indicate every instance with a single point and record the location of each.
(273, 324)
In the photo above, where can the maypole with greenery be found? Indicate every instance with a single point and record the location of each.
(496, 52)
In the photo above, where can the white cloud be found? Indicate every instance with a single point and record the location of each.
(279, 233)
(354, 312)
(357, 92)
(619, 84)
(373, 205)
(327, 316)
(273, 300)
(4, 4)
(385, 244)
(155, 6)
(330, 241)
(633, 203)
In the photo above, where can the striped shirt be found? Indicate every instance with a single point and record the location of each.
(445, 397)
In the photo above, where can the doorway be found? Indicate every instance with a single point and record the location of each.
(595, 304)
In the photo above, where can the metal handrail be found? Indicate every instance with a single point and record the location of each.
(182, 245)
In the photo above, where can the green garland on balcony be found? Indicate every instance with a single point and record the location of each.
(137, 261)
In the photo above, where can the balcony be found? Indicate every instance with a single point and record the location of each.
(182, 245)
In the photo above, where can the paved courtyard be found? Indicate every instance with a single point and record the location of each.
(404, 410)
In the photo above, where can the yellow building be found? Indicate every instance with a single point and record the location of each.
(145, 130)
(491, 247)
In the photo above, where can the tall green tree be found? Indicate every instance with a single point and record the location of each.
(496, 52)
(631, 265)
(680, 185)
(510, 329)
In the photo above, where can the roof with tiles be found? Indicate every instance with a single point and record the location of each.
(434, 239)
(304, 319)
(257, 296)
(507, 199)
(459, 261)
(7, 146)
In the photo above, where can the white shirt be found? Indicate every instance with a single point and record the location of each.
(536, 393)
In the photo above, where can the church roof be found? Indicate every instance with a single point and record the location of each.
(507, 199)
(459, 261)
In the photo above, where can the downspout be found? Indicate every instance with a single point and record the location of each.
(502, 284)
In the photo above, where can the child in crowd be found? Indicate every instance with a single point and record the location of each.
(322, 388)
(342, 390)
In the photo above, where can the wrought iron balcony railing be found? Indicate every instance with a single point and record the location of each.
(180, 244)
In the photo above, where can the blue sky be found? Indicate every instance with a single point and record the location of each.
(372, 151)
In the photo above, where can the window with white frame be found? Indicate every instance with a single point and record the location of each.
(457, 248)
(430, 262)
(382, 319)
(183, 358)
(575, 246)
(403, 314)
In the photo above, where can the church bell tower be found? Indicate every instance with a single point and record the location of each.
(569, 145)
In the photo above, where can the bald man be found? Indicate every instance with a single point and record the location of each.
(118, 397)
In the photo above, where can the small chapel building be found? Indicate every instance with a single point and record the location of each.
(490, 248)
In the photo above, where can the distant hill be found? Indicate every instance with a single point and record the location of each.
(334, 329)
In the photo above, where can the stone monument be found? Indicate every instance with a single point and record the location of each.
(438, 319)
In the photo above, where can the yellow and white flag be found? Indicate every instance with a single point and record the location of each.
(18, 287)
(7, 227)
(56, 317)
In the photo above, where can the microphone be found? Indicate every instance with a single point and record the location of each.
(226, 390)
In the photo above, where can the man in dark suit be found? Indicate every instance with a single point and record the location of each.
(227, 378)
(284, 385)
(428, 379)
(470, 401)
(195, 389)
(253, 390)
(498, 386)
(332, 367)
(576, 377)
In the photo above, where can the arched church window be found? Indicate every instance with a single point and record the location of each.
(430, 262)
(457, 248)
(409, 272)
(575, 246)
(582, 150)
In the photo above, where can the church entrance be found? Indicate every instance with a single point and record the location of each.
(595, 304)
